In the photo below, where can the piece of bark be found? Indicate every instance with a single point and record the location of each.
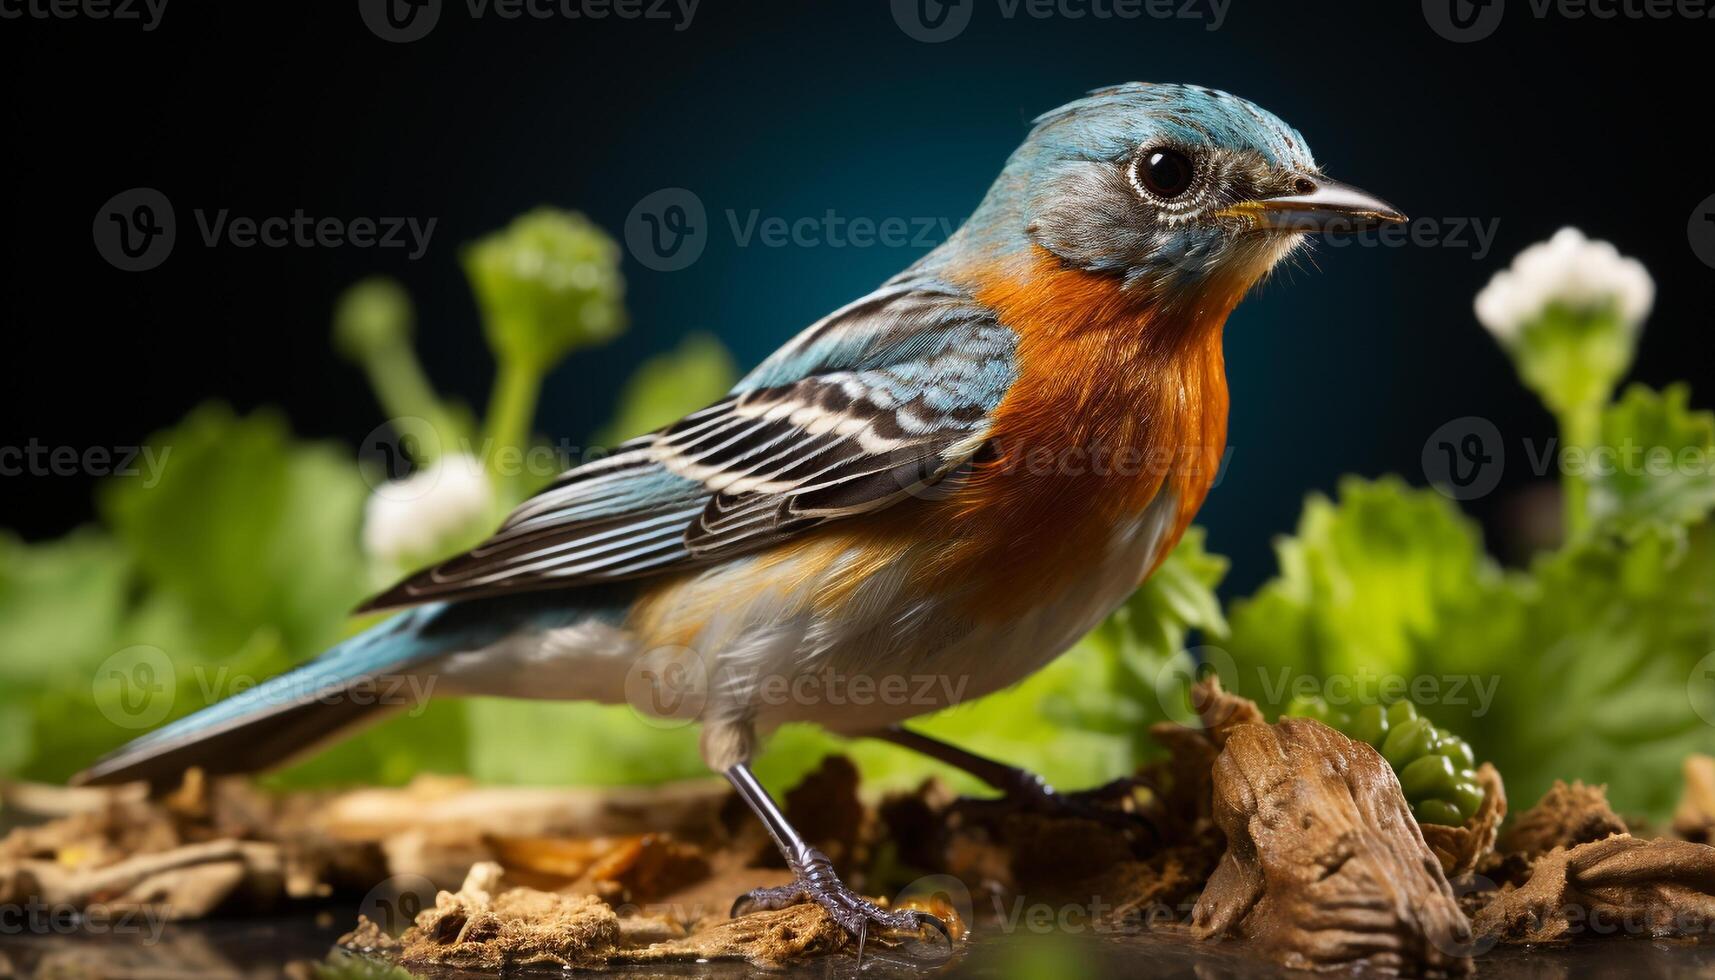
(1325, 867)
(629, 870)
(766, 940)
(1617, 886)
(1568, 814)
(44, 800)
(689, 810)
(53, 883)
(1694, 819)
(190, 892)
(1462, 849)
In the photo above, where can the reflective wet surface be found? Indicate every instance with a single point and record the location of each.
(303, 946)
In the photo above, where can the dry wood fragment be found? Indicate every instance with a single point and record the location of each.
(1567, 815)
(1325, 867)
(1619, 886)
(1695, 817)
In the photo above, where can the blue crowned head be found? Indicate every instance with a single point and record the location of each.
(1166, 186)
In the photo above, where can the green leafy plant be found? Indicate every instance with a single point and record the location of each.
(1584, 663)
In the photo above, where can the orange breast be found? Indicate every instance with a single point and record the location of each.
(1115, 400)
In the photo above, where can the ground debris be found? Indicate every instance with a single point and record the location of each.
(490, 926)
(1695, 817)
(1617, 886)
(229, 846)
(1567, 815)
(202, 848)
(1290, 838)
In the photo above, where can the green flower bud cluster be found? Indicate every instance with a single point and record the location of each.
(1436, 768)
(547, 284)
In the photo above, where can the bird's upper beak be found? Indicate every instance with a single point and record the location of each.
(1318, 205)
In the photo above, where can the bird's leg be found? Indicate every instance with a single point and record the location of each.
(1021, 788)
(814, 876)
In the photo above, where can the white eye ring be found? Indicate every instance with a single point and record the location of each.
(1168, 177)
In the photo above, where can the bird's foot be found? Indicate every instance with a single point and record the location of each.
(815, 881)
(1113, 804)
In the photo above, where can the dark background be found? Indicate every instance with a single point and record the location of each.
(1345, 364)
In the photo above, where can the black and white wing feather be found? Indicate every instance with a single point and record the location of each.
(873, 405)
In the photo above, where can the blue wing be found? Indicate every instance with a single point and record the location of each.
(864, 409)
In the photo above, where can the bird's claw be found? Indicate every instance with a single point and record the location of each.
(816, 882)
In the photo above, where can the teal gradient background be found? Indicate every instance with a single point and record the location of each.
(1345, 362)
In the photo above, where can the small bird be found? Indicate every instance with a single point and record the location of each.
(956, 476)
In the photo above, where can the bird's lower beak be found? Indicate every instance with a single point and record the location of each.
(1329, 207)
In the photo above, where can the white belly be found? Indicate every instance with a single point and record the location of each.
(770, 657)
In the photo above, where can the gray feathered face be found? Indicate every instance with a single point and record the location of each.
(1168, 183)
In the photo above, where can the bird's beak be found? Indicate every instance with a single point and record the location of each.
(1328, 207)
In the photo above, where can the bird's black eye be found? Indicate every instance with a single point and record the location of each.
(1165, 173)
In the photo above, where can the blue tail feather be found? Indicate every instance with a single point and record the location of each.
(294, 712)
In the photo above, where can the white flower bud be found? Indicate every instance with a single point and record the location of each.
(1571, 271)
(408, 520)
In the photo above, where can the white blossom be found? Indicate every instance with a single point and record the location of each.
(1572, 271)
(406, 519)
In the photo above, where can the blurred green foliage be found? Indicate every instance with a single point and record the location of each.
(1586, 664)
(245, 558)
